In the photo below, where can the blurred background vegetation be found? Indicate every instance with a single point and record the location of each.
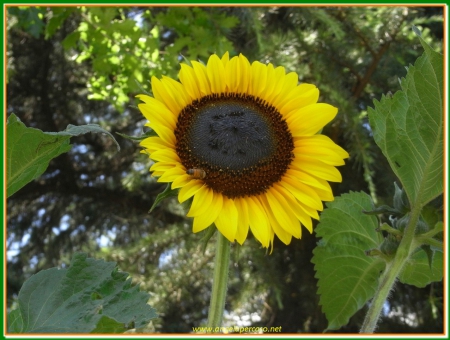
(78, 65)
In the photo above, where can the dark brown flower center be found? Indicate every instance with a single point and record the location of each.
(241, 142)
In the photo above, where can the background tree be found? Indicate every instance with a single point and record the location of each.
(78, 65)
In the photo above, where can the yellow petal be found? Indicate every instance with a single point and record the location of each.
(270, 82)
(310, 119)
(155, 143)
(321, 140)
(302, 192)
(295, 207)
(178, 92)
(259, 224)
(281, 210)
(201, 202)
(258, 78)
(181, 181)
(310, 211)
(233, 74)
(282, 234)
(199, 223)
(243, 222)
(203, 221)
(316, 168)
(290, 82)
(321, 153)
(172, 174)
(162, 166)
(299, 96)
(166, 155)
(325, 195)
(216, 74)
(321, 187)
(308, 179)
(225, 58)
(157, 110)
(227, 220)
(144, 97)
(245, 71)
(202, 78)
(303, 99)
(158, 116)
(163, 132)
(189, 190)
(278, 80)
(162, 94)
(189, 80)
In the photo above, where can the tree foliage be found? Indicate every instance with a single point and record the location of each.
(84, 65)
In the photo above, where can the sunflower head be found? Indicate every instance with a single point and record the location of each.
(242, 140)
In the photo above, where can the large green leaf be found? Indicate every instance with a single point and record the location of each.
(89, 296)
(348, 278)
(28, 153)
(408, 128)
(417, 270)
(30, 150)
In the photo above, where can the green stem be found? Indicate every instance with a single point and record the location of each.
(220, 280)
(433, 232)
(391, 273)
(390, 230)
(430, 241)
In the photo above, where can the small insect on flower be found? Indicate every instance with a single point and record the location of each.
(196, 173)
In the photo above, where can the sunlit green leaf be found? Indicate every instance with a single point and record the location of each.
(105, 14)
(71, 40)
(348, 278)
(96, 96)
(108, 325)
(89, 296)
(409, 128)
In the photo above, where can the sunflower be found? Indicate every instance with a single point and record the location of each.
(242, 140)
